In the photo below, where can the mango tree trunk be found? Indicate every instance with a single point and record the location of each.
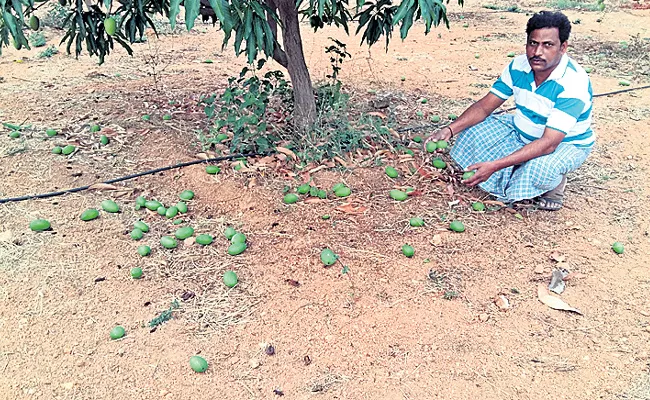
(303, 95)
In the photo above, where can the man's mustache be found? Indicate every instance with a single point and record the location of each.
(536, 59)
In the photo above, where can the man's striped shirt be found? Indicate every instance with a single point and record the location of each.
(562, 102)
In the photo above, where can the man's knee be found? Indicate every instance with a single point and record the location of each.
(542, 172)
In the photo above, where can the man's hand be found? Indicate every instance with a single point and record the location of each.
(483, 172)
(440, 134)
(537, 148)
(476, 113)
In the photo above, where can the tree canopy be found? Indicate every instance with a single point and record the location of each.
(250, 25)
(249, 20)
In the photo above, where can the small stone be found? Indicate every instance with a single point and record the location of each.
(483, 317)
(254, 363)
(502, 302)
(164, 392)
(539, 269)
(120, 352)
(81, 363)
(556, 256)
(189, 241)
(68, 385)
(436, 240)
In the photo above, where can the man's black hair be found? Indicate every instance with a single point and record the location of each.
(550, 19)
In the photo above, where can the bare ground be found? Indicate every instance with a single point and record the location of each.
(384, 329)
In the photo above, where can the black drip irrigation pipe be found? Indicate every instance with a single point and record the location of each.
(233, 156)
(421, 127)
(127, 177)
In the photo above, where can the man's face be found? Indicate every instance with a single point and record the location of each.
(544, 49)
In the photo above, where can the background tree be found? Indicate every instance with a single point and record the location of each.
(256, 26)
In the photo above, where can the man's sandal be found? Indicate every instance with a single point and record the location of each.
(552, 200)
(549, 204)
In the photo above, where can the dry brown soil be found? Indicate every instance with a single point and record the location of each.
(384, 330)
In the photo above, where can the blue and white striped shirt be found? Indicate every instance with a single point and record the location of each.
(562, 102)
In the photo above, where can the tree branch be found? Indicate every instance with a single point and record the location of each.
(279, 55)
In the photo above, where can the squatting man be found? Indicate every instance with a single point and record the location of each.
(528, 155)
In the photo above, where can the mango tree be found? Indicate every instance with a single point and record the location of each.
(254, 27)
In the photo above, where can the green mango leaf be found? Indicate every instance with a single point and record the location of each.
(239, 37)
(407, 22)
(248, 23)
(426, 8)
(124, 44)
(191, 12)
(10, 22)
(402, 11)
(174, 9)
(258, 9)
(18, 7)
(222, 11)
(269, 39)
(259, 34)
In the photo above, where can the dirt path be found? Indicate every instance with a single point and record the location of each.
(381, 331)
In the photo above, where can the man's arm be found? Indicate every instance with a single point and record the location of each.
(475, 114)
(537, 148)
